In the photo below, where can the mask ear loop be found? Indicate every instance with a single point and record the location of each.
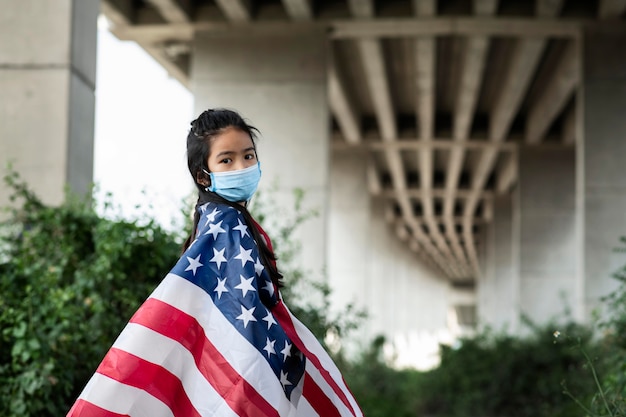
(209, 179)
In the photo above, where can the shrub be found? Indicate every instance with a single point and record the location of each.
(69, 281)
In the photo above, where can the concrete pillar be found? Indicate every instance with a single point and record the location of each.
(548, 234)
(498, 288)
(371, 267)
(601, 162)
(349, 238)
(278, 82)
(47, 79)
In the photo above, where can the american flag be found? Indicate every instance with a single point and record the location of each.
(216, 339)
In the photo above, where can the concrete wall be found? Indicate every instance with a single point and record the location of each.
(47, 79)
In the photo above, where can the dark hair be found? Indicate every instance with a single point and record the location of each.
(203, 130)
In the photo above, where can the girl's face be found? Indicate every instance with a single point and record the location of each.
(231, 150)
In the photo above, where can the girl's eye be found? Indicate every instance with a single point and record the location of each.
(250, 156)
(225, 160)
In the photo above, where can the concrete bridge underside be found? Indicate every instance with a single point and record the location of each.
(466, 156)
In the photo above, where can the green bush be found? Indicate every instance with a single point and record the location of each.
(610, 398)
(69, 281)
(503, 375)
(489, 375)
(381, 390)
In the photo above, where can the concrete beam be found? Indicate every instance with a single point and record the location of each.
(342, 109)
(434, 193)
(523, 66)
(548, 8)
(461, 26)
(507, 174)
(448, 144)
(555, 96)
(118, 13)
(471, 77)
(425, 56)
(170, 10)
(568, 135)
(524, 28)
(521, 69)
(377, 83)
(236, 10)
(299, 9)
(611, 9)
(361, 8)
(373, 180)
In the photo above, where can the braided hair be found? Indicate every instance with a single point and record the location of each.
(203, 130)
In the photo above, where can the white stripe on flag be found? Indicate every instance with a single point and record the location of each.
(305, 409)
(123, 399)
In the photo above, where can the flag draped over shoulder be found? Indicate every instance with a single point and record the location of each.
(215, 339)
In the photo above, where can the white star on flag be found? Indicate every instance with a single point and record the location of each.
(210, 218)
(215, 229)
(246, 316)
(269, 347)
(218, 257)
(242, 228)
(244, 255)
(283, 379)
(220, 287)
(286, 351)
(269, 287)
(269, 319)
(194, 264)
(258, 266)
(245, 285)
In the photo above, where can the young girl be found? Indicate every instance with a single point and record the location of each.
(215, 338)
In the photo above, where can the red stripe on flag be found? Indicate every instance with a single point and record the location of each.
(185, 329)
(318, 400)
(284, 318)
(85, 408)
(154, 379)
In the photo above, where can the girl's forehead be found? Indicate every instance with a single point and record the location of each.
(232, 137)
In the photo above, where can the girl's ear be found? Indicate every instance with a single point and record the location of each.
(203, 179)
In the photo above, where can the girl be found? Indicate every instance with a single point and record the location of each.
(215, 338)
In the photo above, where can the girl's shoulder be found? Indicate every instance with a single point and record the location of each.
(219, 214)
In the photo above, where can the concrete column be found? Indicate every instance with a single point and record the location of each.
(278, 82)
(349, 233)
(602, 177)
(548, 236)
(47, 79)
(498, 288)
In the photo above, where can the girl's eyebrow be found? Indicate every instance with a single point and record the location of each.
(224, 153)
(251, 148)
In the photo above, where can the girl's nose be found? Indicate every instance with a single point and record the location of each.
(241, 164)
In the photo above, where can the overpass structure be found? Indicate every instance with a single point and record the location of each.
(466, 155)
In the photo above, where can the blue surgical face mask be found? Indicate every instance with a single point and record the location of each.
(237, 185)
